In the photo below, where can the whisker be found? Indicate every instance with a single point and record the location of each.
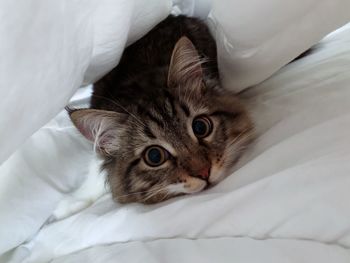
(141, 192)
(153, 194)
(243, 133)
(231, 151)
(167, 194)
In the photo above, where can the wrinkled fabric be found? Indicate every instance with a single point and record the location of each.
(49, 48)
(256, 38)
(288, 200)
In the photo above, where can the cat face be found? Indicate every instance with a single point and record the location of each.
(182, 141)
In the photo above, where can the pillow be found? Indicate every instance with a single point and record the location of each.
(256, 38)
(48, 46)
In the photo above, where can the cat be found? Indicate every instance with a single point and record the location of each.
(160, 120)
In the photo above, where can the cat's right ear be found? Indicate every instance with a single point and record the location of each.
(98, 126)
(185, 64)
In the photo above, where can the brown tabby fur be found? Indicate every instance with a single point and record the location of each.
(162, 83)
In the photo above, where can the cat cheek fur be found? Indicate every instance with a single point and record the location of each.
(239, 136)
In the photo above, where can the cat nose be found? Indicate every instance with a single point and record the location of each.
(204, 173)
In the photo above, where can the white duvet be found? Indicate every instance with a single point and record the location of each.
(287, 202)
(48, 48)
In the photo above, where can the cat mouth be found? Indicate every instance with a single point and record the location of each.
(206, 180)
(208, 184)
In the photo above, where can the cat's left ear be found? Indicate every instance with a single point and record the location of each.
(185, 64)
(101, 127)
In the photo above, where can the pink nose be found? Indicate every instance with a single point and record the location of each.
(204, 173)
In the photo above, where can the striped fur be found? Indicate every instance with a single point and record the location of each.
(161, 85)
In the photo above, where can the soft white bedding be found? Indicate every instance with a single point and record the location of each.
(288, 201)
(48, 48)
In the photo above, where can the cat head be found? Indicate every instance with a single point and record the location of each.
(183, 140)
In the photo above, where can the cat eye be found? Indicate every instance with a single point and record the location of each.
(155, 156)
(202, 127)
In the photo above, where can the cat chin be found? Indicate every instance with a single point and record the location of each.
(195, 186)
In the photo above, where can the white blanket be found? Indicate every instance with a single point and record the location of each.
(48, 48)
(288, 201)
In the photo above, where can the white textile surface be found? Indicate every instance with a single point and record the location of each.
(256, 38)
(48, 48)
(287, 202)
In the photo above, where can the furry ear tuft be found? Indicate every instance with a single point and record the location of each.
(185, 64)
(98, 126)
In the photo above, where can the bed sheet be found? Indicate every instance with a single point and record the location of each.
(288, 201)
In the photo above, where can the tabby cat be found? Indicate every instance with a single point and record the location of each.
(160, 120)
